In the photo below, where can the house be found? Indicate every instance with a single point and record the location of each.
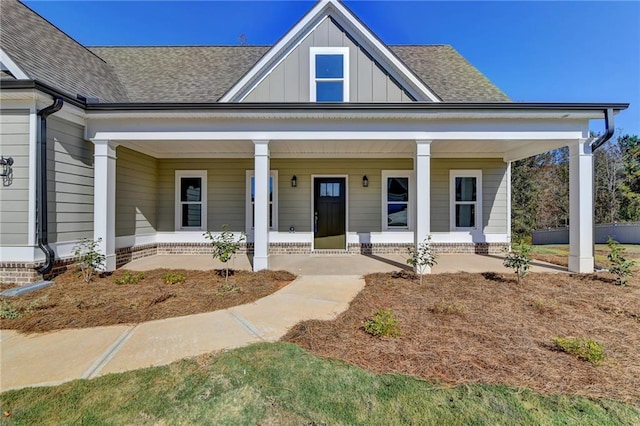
(328, 141)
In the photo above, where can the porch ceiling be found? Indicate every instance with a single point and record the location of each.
(507, 149)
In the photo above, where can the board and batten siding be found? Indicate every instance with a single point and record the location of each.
(364, 208)
(494, 192)
(69, 182)
(289, 80)
(226, 188)
(14, 198)
(136, 193)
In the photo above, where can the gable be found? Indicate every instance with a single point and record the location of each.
(290, 80)
(350, 26)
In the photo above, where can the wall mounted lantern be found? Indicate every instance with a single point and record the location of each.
(7, 171)
(294, 181)
(365, 181)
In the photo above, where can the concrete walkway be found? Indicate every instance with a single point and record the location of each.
(58, 357)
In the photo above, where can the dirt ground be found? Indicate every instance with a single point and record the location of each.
(71, 303)
(485, 328)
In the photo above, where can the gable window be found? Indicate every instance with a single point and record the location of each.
(397, 200)
(273, 200)
(466, 199)
(191, 200)
(329, 74)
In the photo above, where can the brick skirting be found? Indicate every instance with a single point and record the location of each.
(25, 273)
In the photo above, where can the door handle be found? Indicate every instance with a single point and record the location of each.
(315, 222)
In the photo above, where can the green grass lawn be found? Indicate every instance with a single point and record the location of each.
(279, 383)
(632, 251)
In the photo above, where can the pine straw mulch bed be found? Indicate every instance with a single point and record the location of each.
(71, 303)
(484, 328)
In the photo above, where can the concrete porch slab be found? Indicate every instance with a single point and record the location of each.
(342, 264)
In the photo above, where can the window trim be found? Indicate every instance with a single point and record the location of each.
(202, 174)
(386, 174)
(313, 52)
(248, 210)
(453, 174)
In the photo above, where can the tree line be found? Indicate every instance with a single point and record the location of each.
(540, 187)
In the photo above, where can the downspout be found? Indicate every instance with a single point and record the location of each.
(609, 129)
(41, 187)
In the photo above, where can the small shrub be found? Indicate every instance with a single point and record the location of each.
(129, 278)
(519, 260)
(171, 278)
(620, 265)
(455, 308)
(422, 257)
(382, 324)
(225, 246)
(89, 259)
(544, 306)
(8, 310)
(585, 349)
(228, 288)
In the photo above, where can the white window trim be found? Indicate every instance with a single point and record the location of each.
(248, 209)
(202, 174)
(344, 51)
(410, 205)
(453, 174)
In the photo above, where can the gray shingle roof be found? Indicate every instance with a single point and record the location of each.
(205, 73)
(180, 74)
(449, 74)
(50, 56)
(190, 73)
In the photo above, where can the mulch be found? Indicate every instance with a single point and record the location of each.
(484, 328)
(72, 303)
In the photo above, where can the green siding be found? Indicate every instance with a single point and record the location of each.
(226, 183)
(14, 199)
(136, 193)
(364, 203)
(494, 192)
(70, 181)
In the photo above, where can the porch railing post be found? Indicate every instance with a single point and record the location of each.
(104, 200)
(261, 205)
(423, 196)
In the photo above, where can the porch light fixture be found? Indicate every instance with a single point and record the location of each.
(294, 181)
(365, 181)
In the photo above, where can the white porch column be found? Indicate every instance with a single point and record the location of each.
(261, 206)
(104, 200)
(580, 207)
(423, 196)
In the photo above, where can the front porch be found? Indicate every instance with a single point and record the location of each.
(344, 264)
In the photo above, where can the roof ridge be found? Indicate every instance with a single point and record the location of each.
(175, 45)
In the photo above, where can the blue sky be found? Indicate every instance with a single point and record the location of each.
(537, 51)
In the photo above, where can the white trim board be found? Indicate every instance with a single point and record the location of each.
(9, 65)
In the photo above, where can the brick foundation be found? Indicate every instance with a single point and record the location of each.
(25, 273)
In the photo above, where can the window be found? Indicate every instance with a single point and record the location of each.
(191, 200)
(397, 200)
(329, 80)
(466, 199)
(273, 200)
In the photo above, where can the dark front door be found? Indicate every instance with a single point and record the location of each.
(329, 213)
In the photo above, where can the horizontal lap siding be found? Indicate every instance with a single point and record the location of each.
(494, 192)
(136, 193)
(364, 203)
(69, 181)
(14, 199)
(226, 183)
